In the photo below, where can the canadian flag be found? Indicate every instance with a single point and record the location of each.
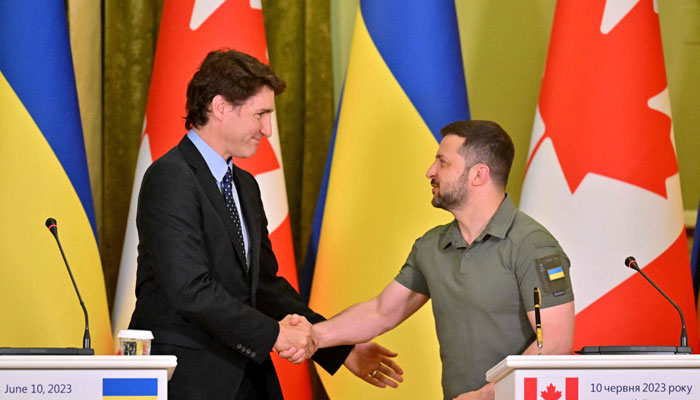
(550, 388)
(602, 174)
(189, 30)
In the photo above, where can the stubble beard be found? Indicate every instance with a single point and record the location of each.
(452, 199)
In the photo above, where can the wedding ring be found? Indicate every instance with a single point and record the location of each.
(373, 373)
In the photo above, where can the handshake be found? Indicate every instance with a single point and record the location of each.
(297, 340)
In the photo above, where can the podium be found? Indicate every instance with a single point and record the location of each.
(85, 377)
(597, 377)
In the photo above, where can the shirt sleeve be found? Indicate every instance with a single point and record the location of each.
(542, 263)
(411, 275)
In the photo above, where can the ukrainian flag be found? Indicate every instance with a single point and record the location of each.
(43, 173)
(555, 273)
(129, 388)
(404, 82)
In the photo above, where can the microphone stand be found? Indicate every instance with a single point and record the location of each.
(633, 264)
(85, 350)
(682, 349)
(86, 335)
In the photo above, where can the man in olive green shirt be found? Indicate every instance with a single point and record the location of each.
(480, 271)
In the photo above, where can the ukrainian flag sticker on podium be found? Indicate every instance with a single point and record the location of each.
(129, 388)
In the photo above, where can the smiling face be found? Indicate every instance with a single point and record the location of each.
(448, 175)
(245, 125)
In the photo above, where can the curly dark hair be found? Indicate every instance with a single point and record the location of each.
(486, 142)
(234, 75)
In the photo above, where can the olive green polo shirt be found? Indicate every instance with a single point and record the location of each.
(481, 292)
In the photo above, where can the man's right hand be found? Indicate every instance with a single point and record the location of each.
(296, 341)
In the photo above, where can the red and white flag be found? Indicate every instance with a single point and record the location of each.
(550, 388)
(602, 174)
(189, 30)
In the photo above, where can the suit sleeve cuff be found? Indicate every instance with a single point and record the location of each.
(332, 358)
(263, 346)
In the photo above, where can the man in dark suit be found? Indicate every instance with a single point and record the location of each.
(207, 283)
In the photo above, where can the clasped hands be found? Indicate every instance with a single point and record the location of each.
(296, 341)
(370, 362)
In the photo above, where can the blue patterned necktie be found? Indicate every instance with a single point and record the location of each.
(233, 211)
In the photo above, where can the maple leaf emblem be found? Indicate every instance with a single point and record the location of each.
(595, 93)
(551, 393)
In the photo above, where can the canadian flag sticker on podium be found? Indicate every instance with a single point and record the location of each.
(550, 388)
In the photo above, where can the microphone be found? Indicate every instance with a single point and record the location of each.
(51, 225)
(630, 262)
(538, 320)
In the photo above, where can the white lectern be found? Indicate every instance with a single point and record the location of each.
(621, 377)
(85, 377)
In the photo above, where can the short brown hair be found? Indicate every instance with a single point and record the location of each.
(486, 142)
(234, 75)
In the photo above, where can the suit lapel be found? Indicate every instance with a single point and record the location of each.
(211, 188)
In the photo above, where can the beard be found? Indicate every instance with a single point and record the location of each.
(451, 197)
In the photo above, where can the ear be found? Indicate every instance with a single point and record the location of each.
(217, 107)
(480, 174)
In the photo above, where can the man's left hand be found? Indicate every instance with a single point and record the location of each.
(373, 364)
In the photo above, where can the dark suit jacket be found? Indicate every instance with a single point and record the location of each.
(192, 287)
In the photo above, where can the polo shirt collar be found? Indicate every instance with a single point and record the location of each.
(453, 237)
(498, 226)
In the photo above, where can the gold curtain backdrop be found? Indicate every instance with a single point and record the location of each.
(129, 42)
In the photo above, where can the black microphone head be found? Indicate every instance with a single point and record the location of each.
(631, 262)
(51, 224)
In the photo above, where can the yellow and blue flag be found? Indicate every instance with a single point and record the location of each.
(555, 273)
(129, 388)
(405, 81)
(43, 173)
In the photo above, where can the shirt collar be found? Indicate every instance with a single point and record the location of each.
(453, 237)
(501, 221)
(498, 226)
(217, 165)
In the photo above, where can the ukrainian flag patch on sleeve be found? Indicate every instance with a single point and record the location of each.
(555, 273)
(129, 388)
(551, 272)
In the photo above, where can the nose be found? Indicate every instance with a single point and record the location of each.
(266, 127)
(430, 174)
